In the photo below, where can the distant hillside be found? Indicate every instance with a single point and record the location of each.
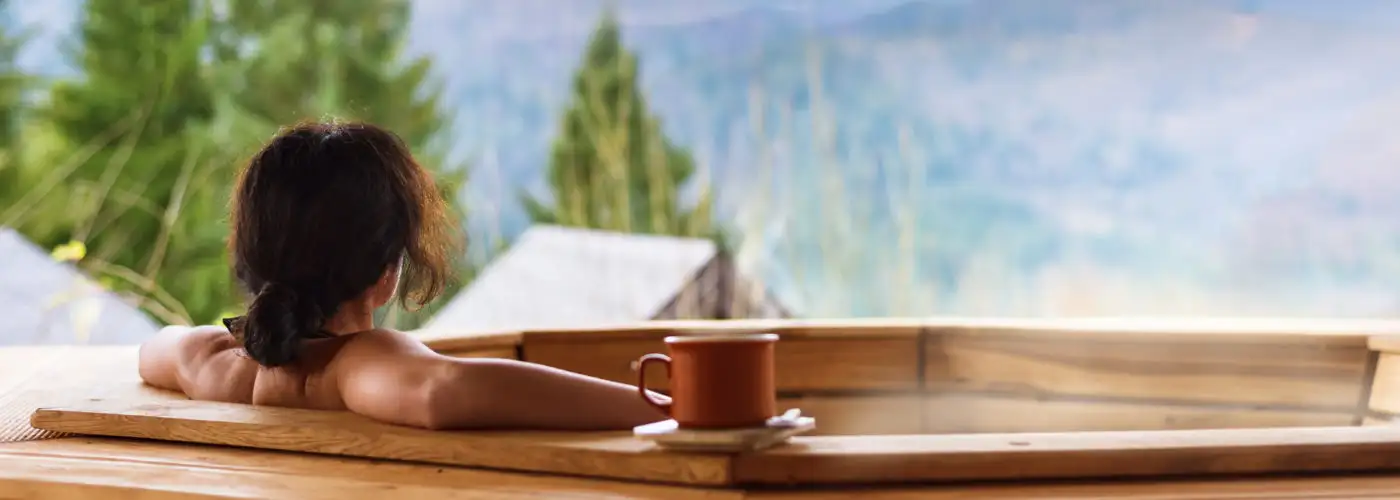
(986, 156)
(1138, 137)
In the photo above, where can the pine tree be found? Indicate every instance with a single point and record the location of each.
(145, 193)
(611, 167)
(12, 86)
(299, 59)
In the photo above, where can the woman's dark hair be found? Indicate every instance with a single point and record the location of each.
(318, 216)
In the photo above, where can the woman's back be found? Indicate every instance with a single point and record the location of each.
(329, 221)
(211, 364)
(390, 376)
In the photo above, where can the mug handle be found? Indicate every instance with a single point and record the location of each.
(664, 406)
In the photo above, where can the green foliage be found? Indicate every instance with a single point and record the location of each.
(140, 180)
(13, 83)
(141, 149)
(611, 167)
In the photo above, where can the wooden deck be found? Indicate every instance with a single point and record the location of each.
(970, 374)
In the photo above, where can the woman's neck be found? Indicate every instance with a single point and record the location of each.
(350, 318)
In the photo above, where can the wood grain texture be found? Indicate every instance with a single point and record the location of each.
(450, 341)
(802, 364)
(951, 413)
(991, 413)
(606, 359)
(1371, 421)
(112, 469)
(964, 457)
(1385, 384)
(607, 455)
(786, 328)
(1338, 332)
(807, 460)
(1252, 488)
(1319, 372)
(861, 414)
(1384, 343)
(57, 375)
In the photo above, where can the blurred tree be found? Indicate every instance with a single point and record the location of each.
(12, 86)
(136, 178)
(288, 60)
(611, 167)
(142, 147)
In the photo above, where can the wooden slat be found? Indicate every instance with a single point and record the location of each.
(1372, 421)
(992, 413)
(111, 469)
(609, 455)
(115, 469)
(1384, 343)
(1385, 384)
(449, 341)
(966, 457)
(608, 359)
(802, 364)
(1339, 487)
(1348, 332)
(62, 374)
(788, 329)
(1330, 331)
(860, 414)
(1282, 370)
(848, 364)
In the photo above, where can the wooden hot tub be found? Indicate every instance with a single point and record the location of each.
(917, 409)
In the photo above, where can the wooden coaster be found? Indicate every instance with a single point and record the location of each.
(667, 434)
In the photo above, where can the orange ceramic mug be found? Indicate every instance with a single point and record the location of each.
(721, 381)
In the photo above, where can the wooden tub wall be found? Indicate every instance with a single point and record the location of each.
(1383, 398)
(964, 377)
(881, 377)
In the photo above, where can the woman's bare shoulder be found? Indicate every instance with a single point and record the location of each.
(189, 359)
(384, 341)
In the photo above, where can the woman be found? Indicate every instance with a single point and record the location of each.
(327, 221)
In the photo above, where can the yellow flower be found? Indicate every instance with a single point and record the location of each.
(72, 251)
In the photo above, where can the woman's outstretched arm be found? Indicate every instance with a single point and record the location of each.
(392, 377)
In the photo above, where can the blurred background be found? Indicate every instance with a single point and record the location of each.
(639, 159)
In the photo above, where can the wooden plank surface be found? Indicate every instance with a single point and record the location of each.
(445, 341)
(965, 457)
(850, 415)
(606, 455)
(788, 329)
(802, 364)
(1330, 331)
(807, 460)
(115, 469)
(60, 375)
(951, 413)
(1269, 370)
(1251, 488)
(991, 413)
(1385, 384)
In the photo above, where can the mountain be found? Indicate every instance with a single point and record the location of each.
(986, 156)
(1140, 137)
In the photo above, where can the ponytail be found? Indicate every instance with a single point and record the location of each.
(278, 320)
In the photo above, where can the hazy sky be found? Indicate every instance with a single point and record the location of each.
(438, 23)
